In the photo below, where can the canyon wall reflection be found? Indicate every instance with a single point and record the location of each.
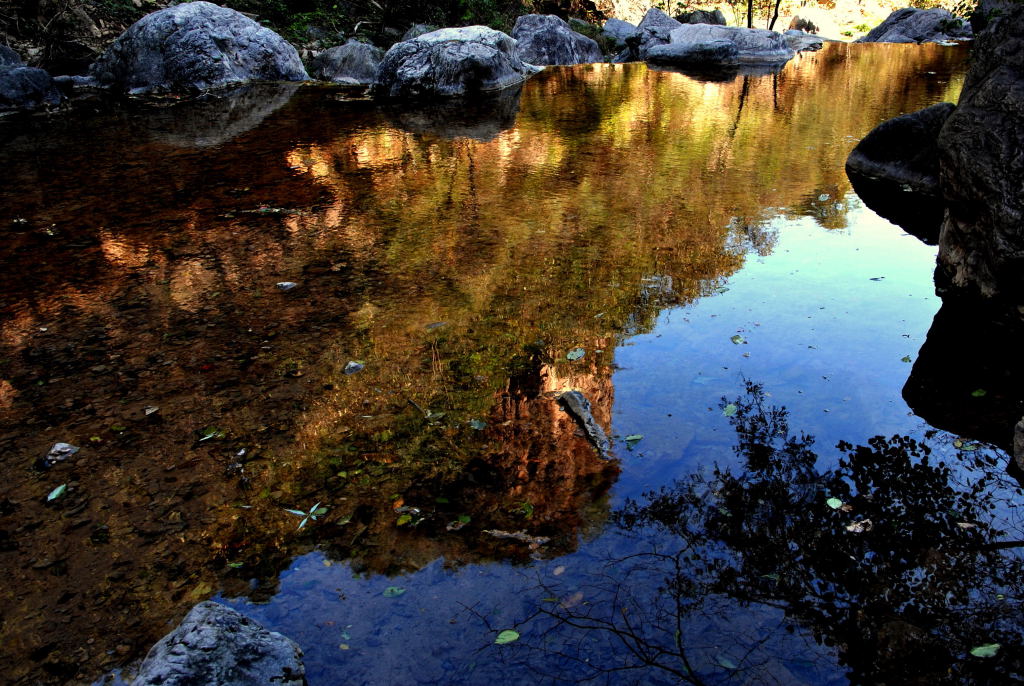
(140, 271)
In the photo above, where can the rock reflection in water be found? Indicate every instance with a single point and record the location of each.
(481, 118)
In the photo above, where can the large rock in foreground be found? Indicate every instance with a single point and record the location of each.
(451, 62)
(353, 63)
(693, 43)
(195, 46)
(895, 170)
(546, 39)
(216, 645)
(910, 25)
(981, 246)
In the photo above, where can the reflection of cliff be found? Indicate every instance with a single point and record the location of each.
(139, 276)
(969, 375)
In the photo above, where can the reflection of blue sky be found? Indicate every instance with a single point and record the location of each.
(821, 335)
(825, 340)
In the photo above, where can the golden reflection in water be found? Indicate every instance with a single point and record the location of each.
(460, 272)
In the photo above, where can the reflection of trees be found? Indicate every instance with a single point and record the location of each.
(902, 579)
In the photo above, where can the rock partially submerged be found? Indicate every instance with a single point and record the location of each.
(545, 39)
(910, 25)
(195, 46)
(798, 41)
(578, 406)
(27, 88)
(353, 63)
(216, 645)
(895, 170)
(451, 62)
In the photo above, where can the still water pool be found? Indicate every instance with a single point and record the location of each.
(687, 254)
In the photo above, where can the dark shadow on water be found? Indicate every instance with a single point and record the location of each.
(969, 374)
(919, 214)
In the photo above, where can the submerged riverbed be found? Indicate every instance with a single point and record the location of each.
(687, 254)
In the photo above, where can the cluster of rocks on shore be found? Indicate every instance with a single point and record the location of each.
(200, 46)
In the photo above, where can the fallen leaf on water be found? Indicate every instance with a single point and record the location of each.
(834, 503)
(393, 591)
(730, 410)
(57, 492)
(737, 339)
(507, 636)
(575, 354)
(632, 440)
(986, 650)
(979, 393)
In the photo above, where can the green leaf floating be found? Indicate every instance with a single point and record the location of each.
(730, 410)
(979, 393)
(737, 339)
(987, 650)
(575, 354)
(507, 636)
(834, 503)
(57, 492)
(393, 591)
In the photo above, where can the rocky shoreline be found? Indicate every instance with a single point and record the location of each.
(198, 47)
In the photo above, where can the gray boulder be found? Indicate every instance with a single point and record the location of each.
(451, 62)
(620, 31)
(981, 245)
(546, 39)
(754, 46)
(216, 645)
(798, 41)
(195, 46)
(27, 88)
(702, 17)
(694, 54)
(653, 30)
(352, 63)
(910, 25)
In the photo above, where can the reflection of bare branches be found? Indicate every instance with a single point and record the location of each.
(729, 565)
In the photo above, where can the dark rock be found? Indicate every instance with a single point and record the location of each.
(27, 88)
(546, 39)
(195, 46)
(910, 25)
(216, 645)
(895, 170)
(981, 246)
(9, 58)
(451, 62)
(417, 30)
(481, 118)
(352, 63)
(702, 17)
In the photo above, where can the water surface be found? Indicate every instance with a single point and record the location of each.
(739, 314)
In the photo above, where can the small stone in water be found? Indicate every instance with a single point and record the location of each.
(58, 453)
(286, 285)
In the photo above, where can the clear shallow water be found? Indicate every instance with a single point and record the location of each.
(643, 217)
